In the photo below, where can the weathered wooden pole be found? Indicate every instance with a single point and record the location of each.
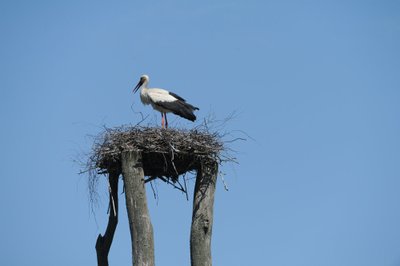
(103, 243)
(136, 204)
(202, 218)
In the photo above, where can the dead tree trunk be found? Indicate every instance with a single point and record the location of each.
(136, 203)
(103, 243)
(202, 219)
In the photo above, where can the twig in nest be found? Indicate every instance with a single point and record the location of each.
(112, 199)
(223, 181)
(155, 194)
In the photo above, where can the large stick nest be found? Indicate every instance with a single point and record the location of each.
(166, 153)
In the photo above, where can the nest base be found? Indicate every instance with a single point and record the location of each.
(166, 153)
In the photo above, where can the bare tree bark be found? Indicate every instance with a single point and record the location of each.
(103, 243)
(136, 204)
(202, 218)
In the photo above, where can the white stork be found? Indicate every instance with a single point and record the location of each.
(164, 101)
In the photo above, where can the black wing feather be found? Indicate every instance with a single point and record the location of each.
(180, 108)
(177, 96)
(183, 100)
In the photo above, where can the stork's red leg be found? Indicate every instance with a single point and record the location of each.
(166, 121)
(162, 120)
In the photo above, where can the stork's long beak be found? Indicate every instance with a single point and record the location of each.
(138, 86)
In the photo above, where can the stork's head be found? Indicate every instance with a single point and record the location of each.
(143, 81)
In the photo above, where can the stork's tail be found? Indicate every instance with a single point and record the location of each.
(186, 110)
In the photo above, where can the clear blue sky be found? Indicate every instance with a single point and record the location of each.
(315, 83)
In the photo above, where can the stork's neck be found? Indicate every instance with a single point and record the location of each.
(144, 86)
(143, 89)
(144, 96)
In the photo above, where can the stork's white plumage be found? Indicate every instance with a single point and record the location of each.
(164, 101)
